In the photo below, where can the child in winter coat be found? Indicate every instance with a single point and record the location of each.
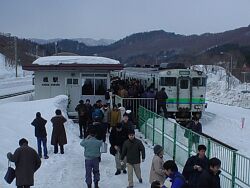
(157, 171)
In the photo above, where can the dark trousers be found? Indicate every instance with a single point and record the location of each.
(92, 166)
(164, 108)
(56, 149)
(23, 186)
(83, 125)
(41, 141)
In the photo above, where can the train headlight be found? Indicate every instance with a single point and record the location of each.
(198, 107)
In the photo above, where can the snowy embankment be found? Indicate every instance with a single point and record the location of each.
(59, 170)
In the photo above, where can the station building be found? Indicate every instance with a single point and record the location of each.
(78, 77)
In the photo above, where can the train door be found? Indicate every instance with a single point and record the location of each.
(184, 94)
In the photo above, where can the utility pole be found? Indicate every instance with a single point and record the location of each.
(55, 48)
(15, 43)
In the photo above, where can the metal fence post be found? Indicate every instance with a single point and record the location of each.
(233, 169)
(162, 138)
(208, 148)
(175, 140)
(190, 144)
(146, 123)
(153, 130)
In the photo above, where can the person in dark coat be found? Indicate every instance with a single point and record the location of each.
(210, 178)
(89, 111)
(194, 166)
(58, 136)
(126, 123)
(117, 138)
(161, 97)
(27, 162)
(134, 150)
(82, 117)
(41, 134)
(196, 127)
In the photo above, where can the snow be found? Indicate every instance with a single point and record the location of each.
(56, 60)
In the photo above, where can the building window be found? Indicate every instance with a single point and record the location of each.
(55, 79)
(45, 79)
(88, 86)
(75, 81)
(100, 86)
(69, 81)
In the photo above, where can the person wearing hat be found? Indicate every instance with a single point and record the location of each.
(134, 150)
(157, 171)
(117, 138)
(27, 162)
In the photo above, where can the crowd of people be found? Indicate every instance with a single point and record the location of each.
(97, 123)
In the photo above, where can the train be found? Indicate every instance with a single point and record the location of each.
(185, 87)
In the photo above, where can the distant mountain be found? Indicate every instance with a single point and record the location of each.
(93, 42)
(86, 41)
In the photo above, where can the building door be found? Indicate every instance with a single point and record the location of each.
(73, 91)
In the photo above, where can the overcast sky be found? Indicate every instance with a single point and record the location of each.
(115, 19)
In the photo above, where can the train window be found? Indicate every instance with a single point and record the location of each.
(88, 86)
(100, 86)
(45, 79)
(88, 75)
(101, 75)
(184, 84)
(199, 82)
(168, 81)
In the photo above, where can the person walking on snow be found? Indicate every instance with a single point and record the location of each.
(134, 150)
(92, 154)
(41, 134)
(157, 171)
(27, 162)
(117, 138)
(58, 136)
(82, 118)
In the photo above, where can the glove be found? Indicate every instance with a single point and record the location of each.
(9, 155)
(122, 163)
(142, 160)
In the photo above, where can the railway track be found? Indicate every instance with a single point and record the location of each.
(16, 94)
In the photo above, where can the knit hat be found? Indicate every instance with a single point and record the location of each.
(157, 149)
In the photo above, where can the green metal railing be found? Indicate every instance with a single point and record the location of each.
(180, 143)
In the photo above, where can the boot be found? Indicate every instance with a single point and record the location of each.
(96, 185)
(118, 172)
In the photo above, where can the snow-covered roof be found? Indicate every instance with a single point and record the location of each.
(56, 60)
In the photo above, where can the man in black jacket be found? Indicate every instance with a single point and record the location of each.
(117, 138)
(133, 149)
(194, 166)
(41, 134)
(82, 117)
(210, 178)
